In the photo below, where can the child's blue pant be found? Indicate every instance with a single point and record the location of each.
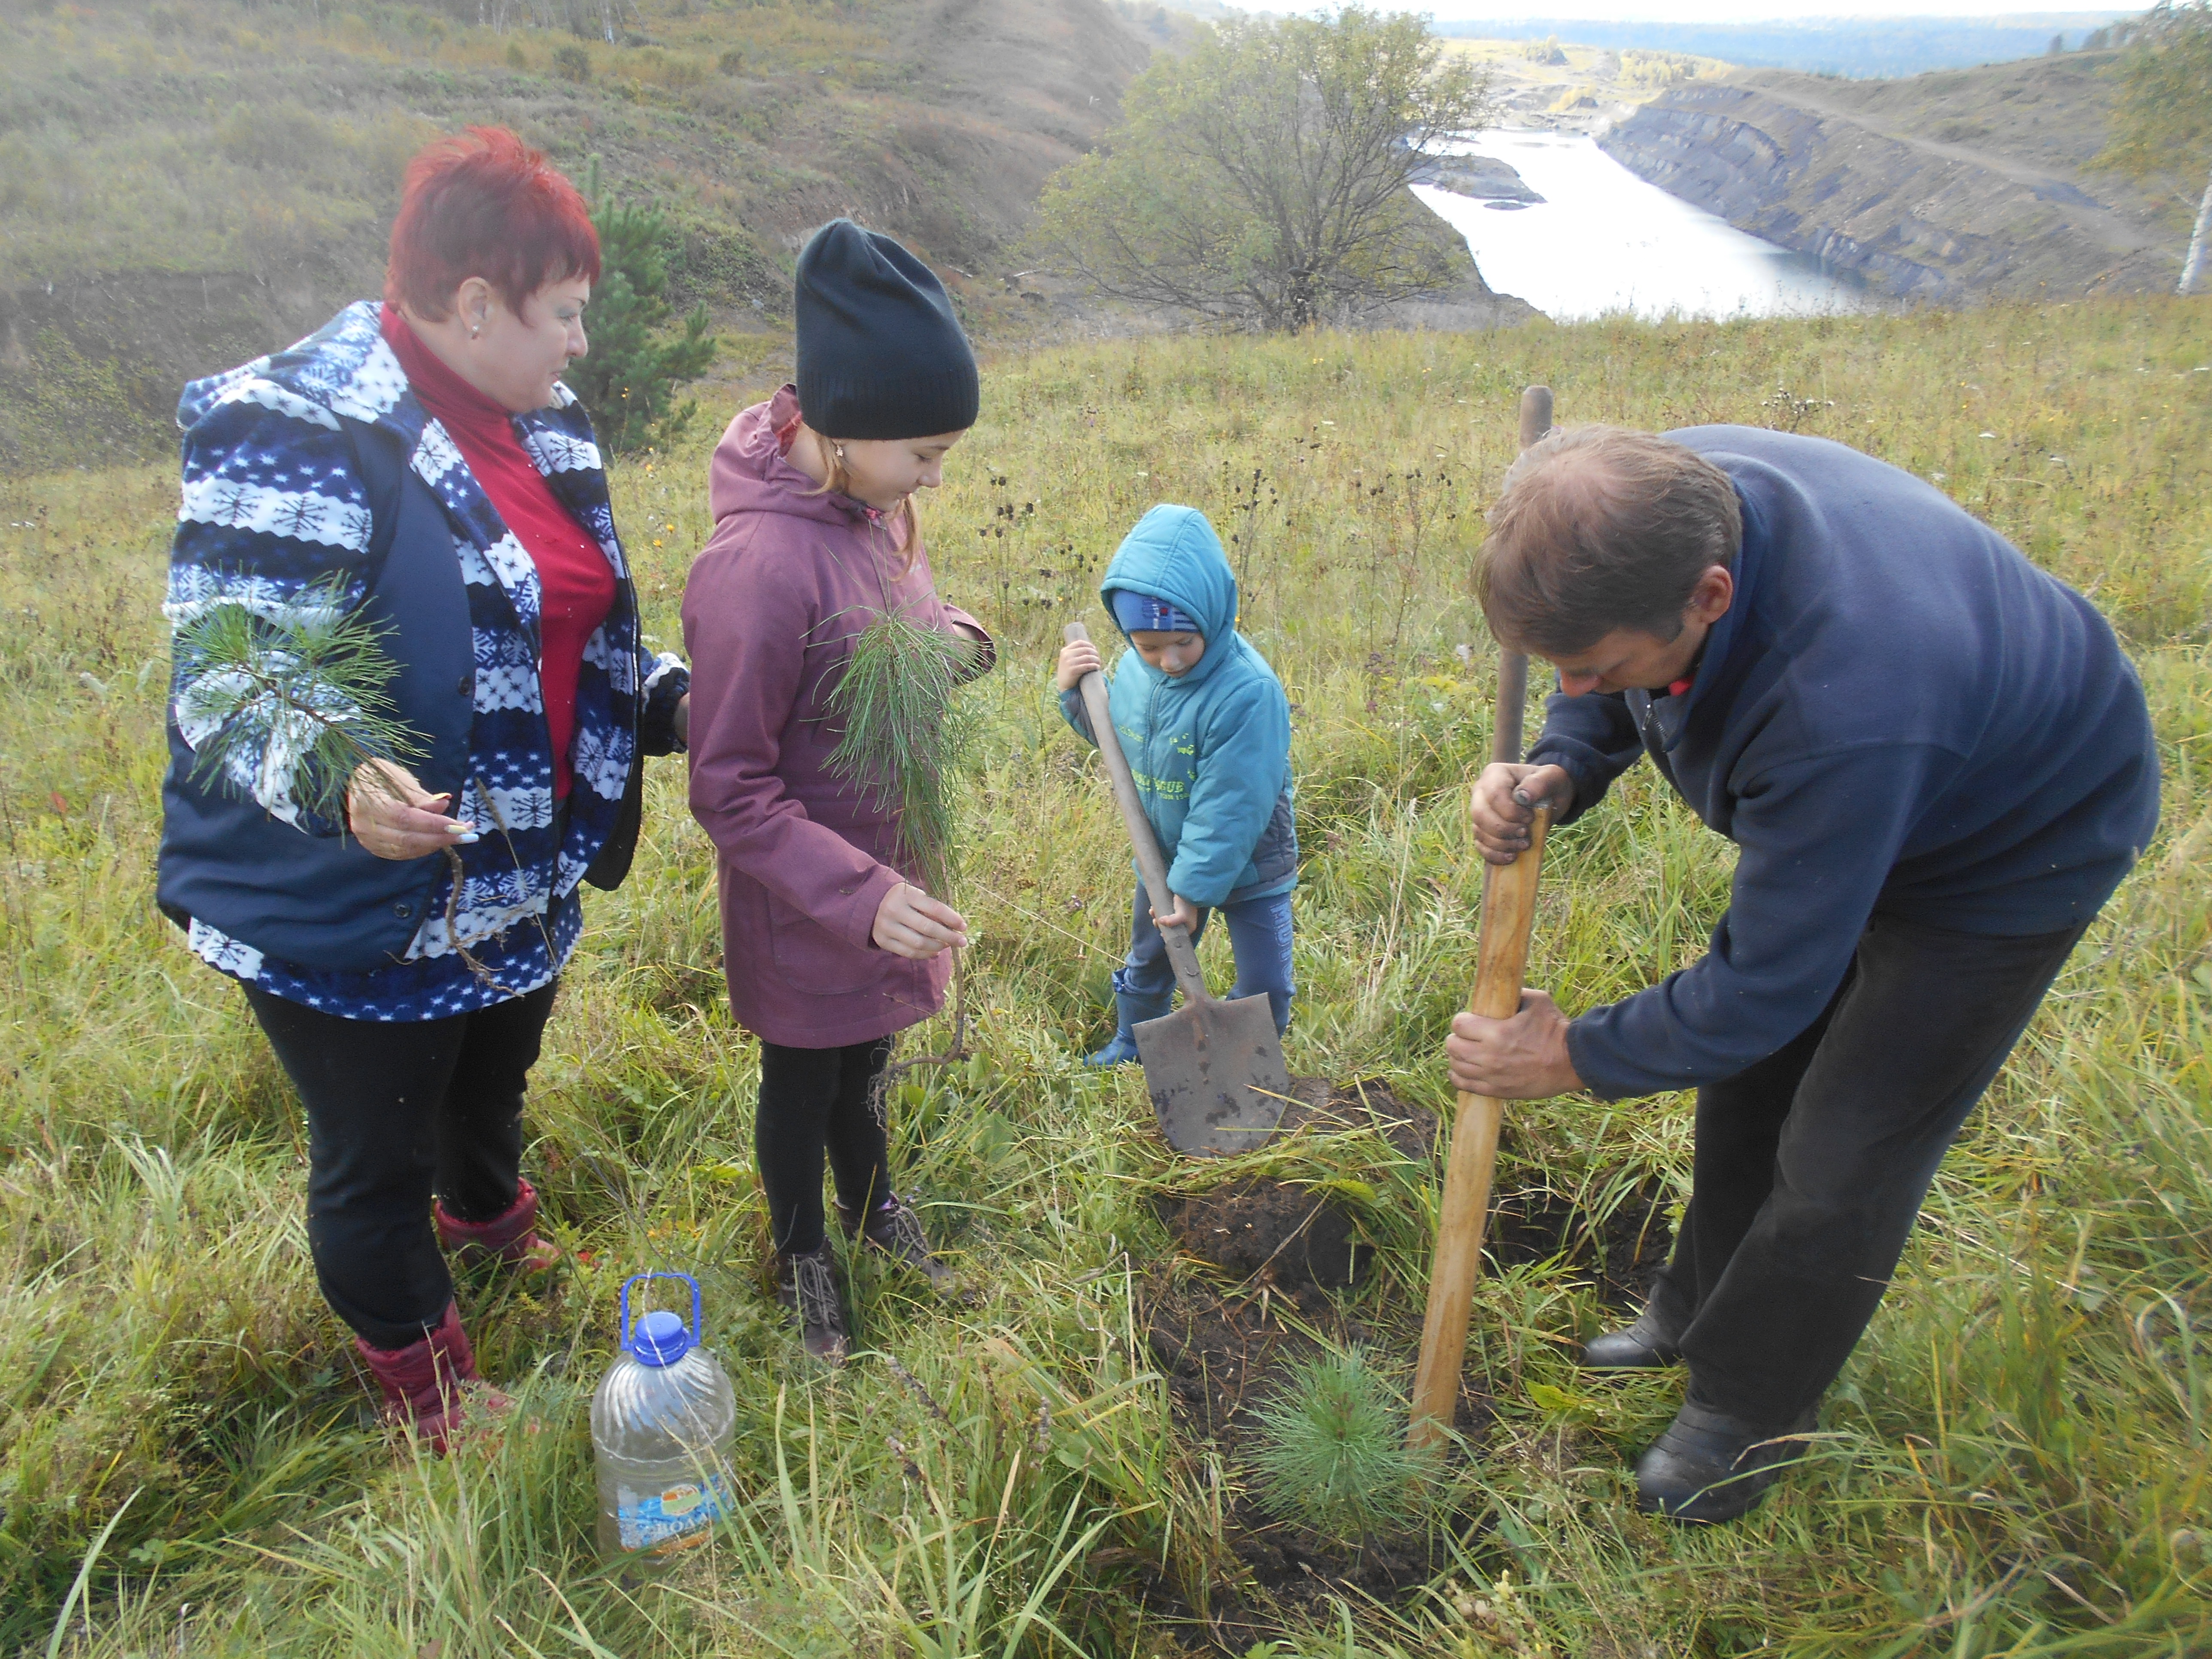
(1258, 936)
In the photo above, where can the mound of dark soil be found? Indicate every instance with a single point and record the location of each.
(1272, 1232)
(1621, 1250)
(1317, 1107)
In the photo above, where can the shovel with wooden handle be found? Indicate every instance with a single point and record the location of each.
(1214, 1068)
(1508, 912)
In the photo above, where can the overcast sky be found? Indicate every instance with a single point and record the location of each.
(1706, 11)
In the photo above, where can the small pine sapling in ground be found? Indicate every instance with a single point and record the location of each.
(1333, 1455)
(301, 698)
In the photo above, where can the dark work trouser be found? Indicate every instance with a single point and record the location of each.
(396, 1113)
(812, 1101)
(1811, 1165)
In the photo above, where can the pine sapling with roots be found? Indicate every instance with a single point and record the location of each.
(905, 741)
(303, 698)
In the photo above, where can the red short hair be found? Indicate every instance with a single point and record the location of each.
(483, 203)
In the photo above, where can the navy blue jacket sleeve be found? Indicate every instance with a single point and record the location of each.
(1072, 711)
(1593, 737)
(1820, 836)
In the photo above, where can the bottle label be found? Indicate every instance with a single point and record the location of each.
(657, 1517)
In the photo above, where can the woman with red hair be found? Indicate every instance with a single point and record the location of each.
(420, 465)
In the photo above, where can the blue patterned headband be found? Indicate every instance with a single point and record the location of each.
(1135, 610)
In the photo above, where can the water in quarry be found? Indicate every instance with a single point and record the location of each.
(1603, 240)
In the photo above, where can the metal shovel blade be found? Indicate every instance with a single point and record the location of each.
(1216, 1074)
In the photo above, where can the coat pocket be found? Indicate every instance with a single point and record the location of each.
(811, 959)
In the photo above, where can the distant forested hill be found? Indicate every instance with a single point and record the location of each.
(185, 184)
(1854, 46)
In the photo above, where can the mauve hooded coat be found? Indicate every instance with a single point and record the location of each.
(803, 857)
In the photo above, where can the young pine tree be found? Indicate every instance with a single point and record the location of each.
(628, 377)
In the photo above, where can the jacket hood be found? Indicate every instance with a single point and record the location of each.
(1173, 554)
(751, 474)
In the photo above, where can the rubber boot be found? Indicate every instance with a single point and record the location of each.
(1135, 1011)
(510, 1239)
(430, 1385)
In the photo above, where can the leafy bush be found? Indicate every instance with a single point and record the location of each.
(1332, 1453)
(629, 378)
(572, 62)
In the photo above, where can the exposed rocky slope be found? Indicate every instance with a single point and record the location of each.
(1940, 187)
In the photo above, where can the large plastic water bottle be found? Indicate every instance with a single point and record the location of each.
(661, 1426)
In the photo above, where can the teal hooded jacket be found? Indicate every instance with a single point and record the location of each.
(1211, 749)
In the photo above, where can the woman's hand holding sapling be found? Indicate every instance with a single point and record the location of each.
(393, 816)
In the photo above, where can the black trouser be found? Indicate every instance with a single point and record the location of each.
(1811, 1165)
(812, 1100)
(397, 1112)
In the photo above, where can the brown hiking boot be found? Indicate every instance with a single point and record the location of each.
(807, 1284)
(893, 1229)
(430, 1386)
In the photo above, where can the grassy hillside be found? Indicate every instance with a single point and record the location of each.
(2018, 1462)
(184, 184)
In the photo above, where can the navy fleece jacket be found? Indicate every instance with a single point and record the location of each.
(1899, 713)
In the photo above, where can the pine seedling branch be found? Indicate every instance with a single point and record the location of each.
(903, 739)
(302, 699)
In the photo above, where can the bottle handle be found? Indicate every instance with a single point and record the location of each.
(698, 1312)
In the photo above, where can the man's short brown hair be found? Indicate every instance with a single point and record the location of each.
(1600, 528)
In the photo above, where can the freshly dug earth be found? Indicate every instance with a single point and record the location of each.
(1273, 1232)
(1277, 1249)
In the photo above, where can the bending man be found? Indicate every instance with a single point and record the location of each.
(1936, 765)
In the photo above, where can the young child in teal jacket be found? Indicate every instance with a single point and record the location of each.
(1206, 729)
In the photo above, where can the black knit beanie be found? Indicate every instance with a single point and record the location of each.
(880, 354)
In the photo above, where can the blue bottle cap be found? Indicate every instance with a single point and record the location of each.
(661, 1339)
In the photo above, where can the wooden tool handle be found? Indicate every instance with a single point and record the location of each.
(1509, 914)
(1182, 954)
(1513, 666)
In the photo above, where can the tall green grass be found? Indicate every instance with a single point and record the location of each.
(2015, 1463)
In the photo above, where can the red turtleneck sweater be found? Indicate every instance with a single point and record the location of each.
(575, 582)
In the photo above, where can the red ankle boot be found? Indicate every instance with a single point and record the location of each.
(428, 1386)
(511, 1238)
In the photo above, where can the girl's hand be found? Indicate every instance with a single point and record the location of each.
(395, 817)
(1184, 915)
(1077, 658)
(911, 924)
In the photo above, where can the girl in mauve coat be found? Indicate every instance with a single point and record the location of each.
(829, 949)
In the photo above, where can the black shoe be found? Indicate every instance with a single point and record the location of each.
(1648, 1345)
(807, 1284)
(1709, 1466)
(895, 1230)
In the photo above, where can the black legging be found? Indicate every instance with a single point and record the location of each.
(396, 1112)
(812, 1100)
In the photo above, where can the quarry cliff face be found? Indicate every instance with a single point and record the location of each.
(1883, 193)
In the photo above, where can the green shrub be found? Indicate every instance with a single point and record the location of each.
(572, 62)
